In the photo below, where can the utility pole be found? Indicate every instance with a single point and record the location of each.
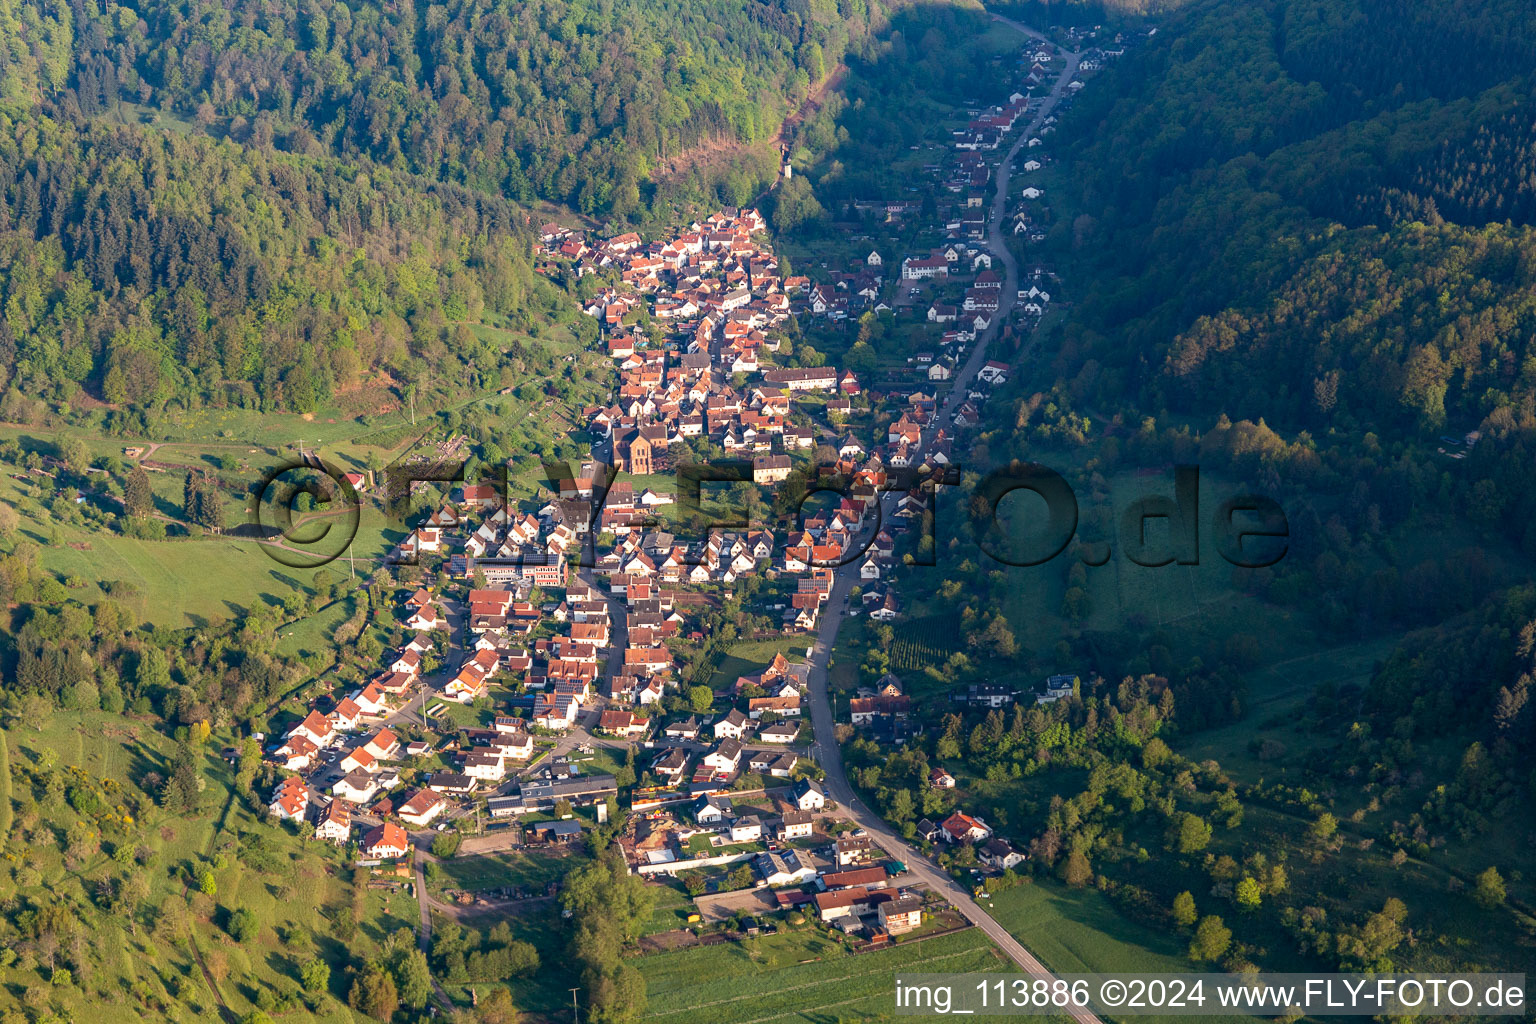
(575, 1013)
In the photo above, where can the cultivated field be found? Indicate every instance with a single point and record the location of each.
(796, 976)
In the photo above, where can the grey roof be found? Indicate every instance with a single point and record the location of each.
(718, 801)
(770, 864)
(509, 804)
(566, 789)
(450, 780)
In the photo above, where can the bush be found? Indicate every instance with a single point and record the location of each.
(315, 975)
(243, 925)
(446, 844)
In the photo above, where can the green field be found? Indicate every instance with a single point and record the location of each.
(181, 583)
(797, 975)
(1077, 931)
(1277, 694)
(1201, 600)
(313, 635)
(701, 844)
(493, 870)
(671, 910)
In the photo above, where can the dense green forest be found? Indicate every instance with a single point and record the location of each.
(1214, 227)
(1296, 242)
(567, 100)
(932, 60)
(1301, 245)
(1334, 240)
(147, 266)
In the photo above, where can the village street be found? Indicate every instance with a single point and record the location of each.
(826, 749)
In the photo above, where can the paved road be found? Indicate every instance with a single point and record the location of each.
(825, 749)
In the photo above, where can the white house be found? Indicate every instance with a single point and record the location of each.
(746, 829)
(725, 757)
(999, 855)
(487, 767)
(808, 795)
(732, 726)
(316, 728)
(961, 827)
(356, 787)
(796, 825)
(290, 800)
(424, 619)
(383, 745)
(421, 808)
(778, 869)
(387, 842)
(335, 824)
(359, 760)
(780, 732)
(710, 809)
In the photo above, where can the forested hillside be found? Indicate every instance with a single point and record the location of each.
(1302, 212)
(567, 100)
(1305, 244)
(146, 266)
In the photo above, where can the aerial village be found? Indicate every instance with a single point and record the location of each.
(558, 630)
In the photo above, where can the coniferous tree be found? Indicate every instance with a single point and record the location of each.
(138, 498)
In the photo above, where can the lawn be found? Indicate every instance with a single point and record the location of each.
(670, 912)
(797, 975)
(314, 634)
(700, 843)
(1199, 601)
(1276, 696)
(749, 656)
(181, 583)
